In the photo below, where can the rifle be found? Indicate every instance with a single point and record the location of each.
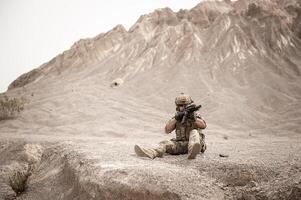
(189, 110)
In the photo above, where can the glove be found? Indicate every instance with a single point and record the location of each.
(179, 116)
(192, 117)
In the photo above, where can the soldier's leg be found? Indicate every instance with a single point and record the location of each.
(172, 147)
(194, 145)
(202, 141)
(167, 146)
(144, 152)
(180, 147)
(164, 146)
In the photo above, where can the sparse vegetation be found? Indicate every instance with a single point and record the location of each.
(10, 107)
(18, 181)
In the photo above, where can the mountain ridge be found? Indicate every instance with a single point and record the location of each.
(90, 51)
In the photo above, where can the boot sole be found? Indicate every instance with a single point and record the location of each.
(194, 151)
(204, 147)
(141, 153)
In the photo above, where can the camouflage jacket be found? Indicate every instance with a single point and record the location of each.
(183, 130)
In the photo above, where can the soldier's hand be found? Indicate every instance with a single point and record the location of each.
(192, 116)
(179, 116)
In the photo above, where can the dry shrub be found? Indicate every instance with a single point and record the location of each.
(18, 181)
(11, 107)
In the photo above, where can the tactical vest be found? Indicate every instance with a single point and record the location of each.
(183, 130)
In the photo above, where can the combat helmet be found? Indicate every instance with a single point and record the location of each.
(183, 99)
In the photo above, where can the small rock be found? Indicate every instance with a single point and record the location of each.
(253, 184)
(117, 82)
(223, 155)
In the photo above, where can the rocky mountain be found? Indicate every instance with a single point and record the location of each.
(240, 59)
(241, 48)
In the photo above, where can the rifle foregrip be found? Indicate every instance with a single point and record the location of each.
(184, 118)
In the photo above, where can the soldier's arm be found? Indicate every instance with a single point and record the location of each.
(170, 125)
(200, 122)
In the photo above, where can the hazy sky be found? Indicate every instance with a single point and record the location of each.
(34, 31)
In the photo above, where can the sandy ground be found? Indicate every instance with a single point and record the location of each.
(80, 154)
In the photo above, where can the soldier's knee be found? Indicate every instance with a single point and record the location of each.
(165, 142)
(194, 133)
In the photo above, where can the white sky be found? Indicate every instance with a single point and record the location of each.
(34, 31)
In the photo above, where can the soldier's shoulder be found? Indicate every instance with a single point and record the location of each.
(198, 115)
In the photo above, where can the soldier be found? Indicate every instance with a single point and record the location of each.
(189, 137)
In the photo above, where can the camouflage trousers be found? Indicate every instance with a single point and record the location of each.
(175, 147)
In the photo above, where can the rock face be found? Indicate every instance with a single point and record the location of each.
(240, 59)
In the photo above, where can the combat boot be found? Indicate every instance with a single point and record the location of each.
(204, 147)
(150, 153)
(203, 144)
(193, 150)
(194, 145)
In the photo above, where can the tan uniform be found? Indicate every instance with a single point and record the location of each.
(187, 135)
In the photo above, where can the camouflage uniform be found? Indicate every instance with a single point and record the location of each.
(184, 133)
(189, 138)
